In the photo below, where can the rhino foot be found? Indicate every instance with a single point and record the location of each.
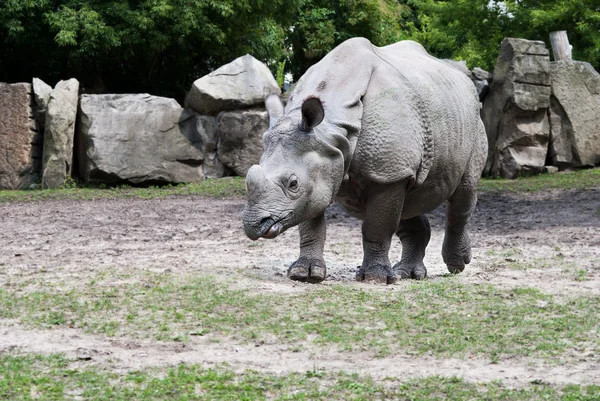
(456, 250)
(378, 274)
(455, 269)
(307, 270)
(416, 271)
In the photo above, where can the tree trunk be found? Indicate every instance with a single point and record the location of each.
(560, 45)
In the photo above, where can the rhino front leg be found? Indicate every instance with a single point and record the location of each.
(310, 266)
(384, 208)
(414, 234)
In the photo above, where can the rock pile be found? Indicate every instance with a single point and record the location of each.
(515, 111)
(539, 115)
(149, 139)
(134, 138)
(574, 115)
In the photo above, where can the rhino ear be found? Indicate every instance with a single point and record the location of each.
(274, 108)
(312, 113)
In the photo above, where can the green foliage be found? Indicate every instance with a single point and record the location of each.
(320, 25)
(158, 46)
(162, 46)
(468, 30)
(580, 18)
(472, 30)
(280, 74)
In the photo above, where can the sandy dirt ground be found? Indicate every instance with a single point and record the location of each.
(69, 240)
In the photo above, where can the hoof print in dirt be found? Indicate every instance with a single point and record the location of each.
(308, 270)
(376, 275)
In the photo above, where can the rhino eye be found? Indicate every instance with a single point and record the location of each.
(293, 184)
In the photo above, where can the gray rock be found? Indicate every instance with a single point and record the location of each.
(59, 132)
(208, 130)
(481, 74)
(240, 138)
(213, 167)
(243, 83)
(551, 169)
(142, 139)
(574, 115)
(41, 92)
(515, 110)
(514, 46)
(20, 155)
(482, 80)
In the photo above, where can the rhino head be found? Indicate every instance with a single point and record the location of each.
(300, 171)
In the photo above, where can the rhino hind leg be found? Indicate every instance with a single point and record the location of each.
(456, 249)
(414, 234)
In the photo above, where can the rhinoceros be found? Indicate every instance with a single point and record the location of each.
(389, 133)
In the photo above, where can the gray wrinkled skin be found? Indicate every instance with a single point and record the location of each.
(389, 133)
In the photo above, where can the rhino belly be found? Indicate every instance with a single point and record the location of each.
(425, 199)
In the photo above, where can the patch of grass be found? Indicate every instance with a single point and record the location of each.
(223, 187)
(52, 377)
(235, 186)
(573, 180)
(443, 316)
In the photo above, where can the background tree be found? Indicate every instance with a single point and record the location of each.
(472, 30)
(157, 46)
(580, 18)
(162, 46)
(320, 25)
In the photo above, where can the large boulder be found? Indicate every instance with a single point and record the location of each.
(59, 133)
(20, 153)
(240, 138)
(515, 110)
(243, 83)
(482, 80)
(574, 115)
(41, 93)
(143, 139)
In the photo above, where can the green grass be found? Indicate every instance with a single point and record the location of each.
(224, 187)
(443, 317)
(235, 186)
(582, 179)
(54, 378)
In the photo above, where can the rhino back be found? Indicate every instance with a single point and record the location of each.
(420, 120)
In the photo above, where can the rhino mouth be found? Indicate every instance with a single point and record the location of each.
(271, 228)
(273, 231)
